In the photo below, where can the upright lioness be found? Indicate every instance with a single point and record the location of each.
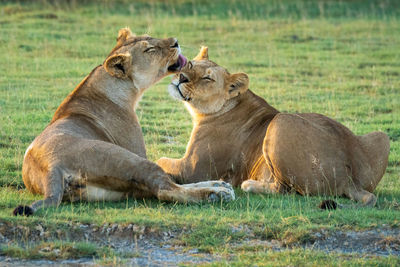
(93, 148)
(239, 137)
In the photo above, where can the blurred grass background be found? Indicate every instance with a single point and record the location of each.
(338, 58)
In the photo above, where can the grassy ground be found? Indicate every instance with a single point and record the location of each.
(336, 58)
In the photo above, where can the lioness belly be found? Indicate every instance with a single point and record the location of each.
(94, 193)
(78, 188)
(91, 193)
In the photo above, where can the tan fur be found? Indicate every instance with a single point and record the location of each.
(93, 147)
(203, 54)
(239, 137)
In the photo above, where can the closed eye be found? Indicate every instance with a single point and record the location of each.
(208, 79)
(150, 49)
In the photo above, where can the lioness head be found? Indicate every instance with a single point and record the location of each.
(143, 59)
(206, 86)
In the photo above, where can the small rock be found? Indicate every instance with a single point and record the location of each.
(120, 228)
(83, 226)
(318, 235)
(45, 249)
(194, 251)
(59, 233)
(40, 229)
(138, 229)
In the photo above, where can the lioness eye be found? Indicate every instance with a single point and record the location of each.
(190, 65)
(208, 79)
(150, 49)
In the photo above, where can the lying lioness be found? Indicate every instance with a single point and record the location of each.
(93, 148)
(239, 137)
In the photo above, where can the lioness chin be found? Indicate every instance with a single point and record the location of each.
(93, 148)
(239, 137)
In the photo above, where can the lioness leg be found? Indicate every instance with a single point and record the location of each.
(376, 146)
(124, 169)
(105, 165)
(53, 194)
(316, 156)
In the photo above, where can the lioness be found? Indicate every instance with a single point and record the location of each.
(93, 148)
(239, 137)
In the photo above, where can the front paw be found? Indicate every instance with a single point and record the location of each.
(215, 183)
(221, 194)
(222, 184)
(23, 211)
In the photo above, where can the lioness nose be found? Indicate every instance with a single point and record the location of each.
(183, 79)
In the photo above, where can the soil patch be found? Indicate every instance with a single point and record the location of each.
(379, 242)
(137, 245)
(143, 245)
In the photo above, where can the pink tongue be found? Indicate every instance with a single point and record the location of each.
(182, 61)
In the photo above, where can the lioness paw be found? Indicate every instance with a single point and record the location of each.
(222, 184)
(221, 194)
(250, 186)
(217, 183)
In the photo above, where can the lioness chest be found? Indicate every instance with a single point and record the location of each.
(238, 154)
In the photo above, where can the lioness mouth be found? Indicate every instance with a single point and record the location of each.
(180, 92)
(179, 64)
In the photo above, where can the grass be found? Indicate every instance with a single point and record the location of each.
(299, 257)
(336, 58)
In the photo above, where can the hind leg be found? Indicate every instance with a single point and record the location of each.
(373, 159)
(310, 154)
(318, 156)
(104, 165)
(122, 170)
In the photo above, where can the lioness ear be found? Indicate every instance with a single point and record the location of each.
(203, 54)
(238, 84)
(124, 34)
(119, 65)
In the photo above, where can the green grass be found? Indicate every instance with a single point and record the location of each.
(340, 59)
(299, 257)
